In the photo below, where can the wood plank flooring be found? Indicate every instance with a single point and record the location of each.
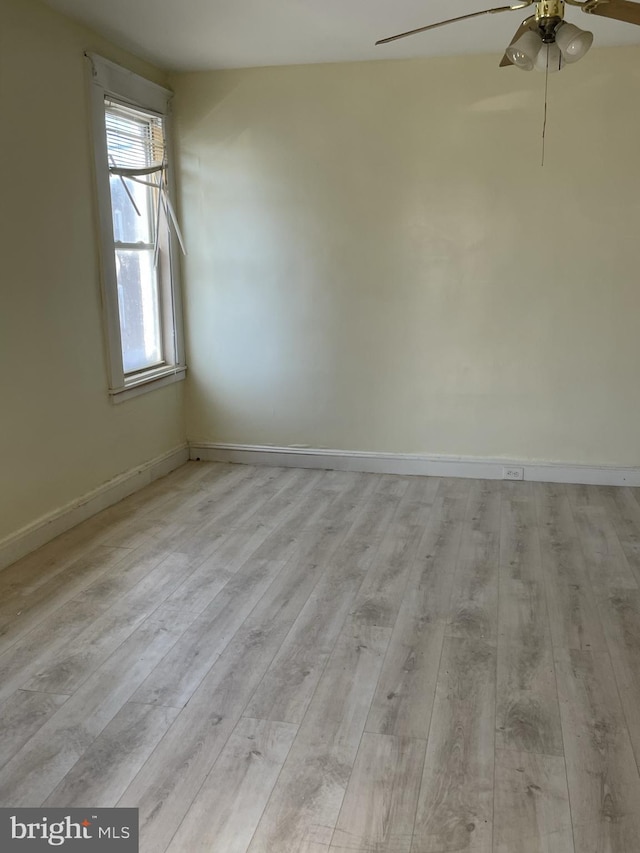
(268, 660)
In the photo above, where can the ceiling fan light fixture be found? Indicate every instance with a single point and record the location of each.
(555, 58)
(523, 52)
(573, 42)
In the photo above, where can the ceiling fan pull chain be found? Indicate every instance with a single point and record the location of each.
(546, 93)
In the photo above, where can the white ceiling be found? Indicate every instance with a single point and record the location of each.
(202, 34)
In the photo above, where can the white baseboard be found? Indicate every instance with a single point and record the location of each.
(47, 527)
(409, 463)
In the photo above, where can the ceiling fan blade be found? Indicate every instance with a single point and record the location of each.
(619, 10)
(453, 20)
(524, 26)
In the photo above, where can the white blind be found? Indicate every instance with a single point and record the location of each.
(135, 139)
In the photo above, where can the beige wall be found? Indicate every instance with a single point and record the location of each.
(59, 434)
(379, 262)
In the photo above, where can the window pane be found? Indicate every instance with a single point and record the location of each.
(135, 138)
(128, 227)
(139, 309)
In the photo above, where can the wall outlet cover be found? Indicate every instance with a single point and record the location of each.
(512, 472)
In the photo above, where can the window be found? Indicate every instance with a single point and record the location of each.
(140, 235)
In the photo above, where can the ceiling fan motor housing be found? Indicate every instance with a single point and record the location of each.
(549, 13)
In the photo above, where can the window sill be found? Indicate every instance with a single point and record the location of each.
(148, 382)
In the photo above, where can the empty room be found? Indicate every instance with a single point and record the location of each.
(320, 426)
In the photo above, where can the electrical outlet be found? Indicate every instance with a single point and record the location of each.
(513, 473)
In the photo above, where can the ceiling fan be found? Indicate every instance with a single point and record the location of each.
(564, 42)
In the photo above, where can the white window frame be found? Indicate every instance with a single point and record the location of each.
(111, 80)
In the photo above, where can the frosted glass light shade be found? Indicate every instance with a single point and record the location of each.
(556, 60)
(573, 42)
(523, 52)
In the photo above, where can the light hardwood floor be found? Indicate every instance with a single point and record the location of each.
(270, 660)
